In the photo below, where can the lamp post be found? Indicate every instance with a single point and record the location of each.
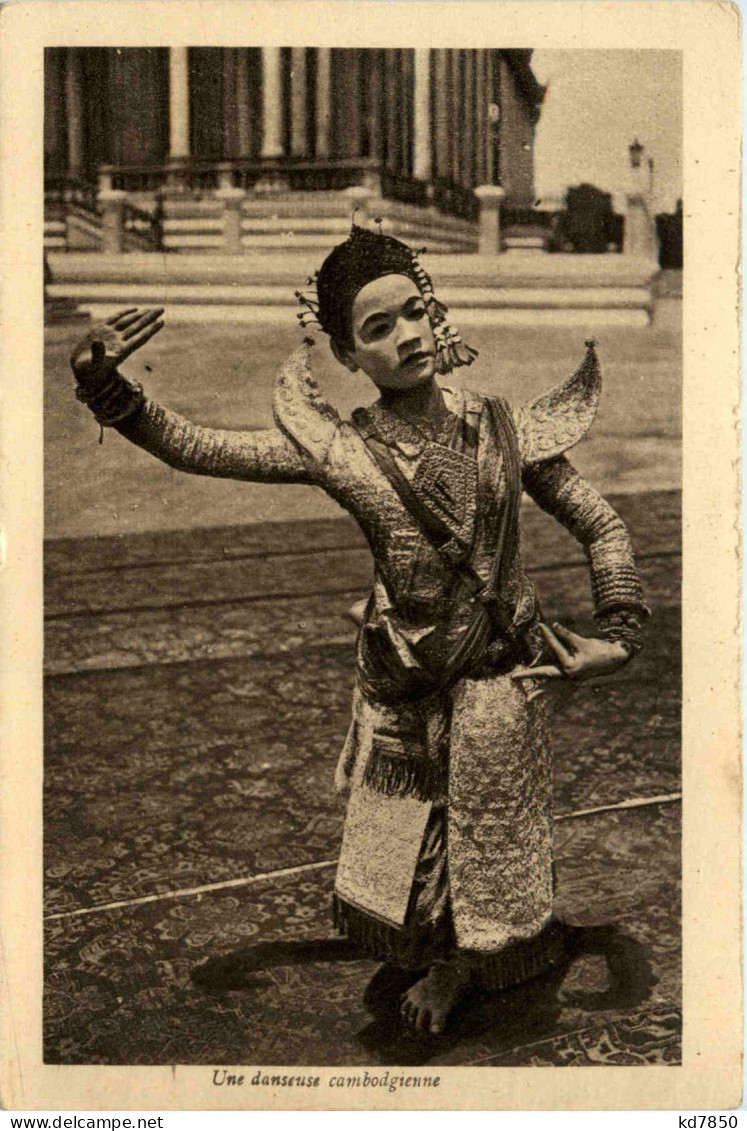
(640, 234)
(490, 196)
(494, 126)
(636, 152)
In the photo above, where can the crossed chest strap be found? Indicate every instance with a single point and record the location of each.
(442, 496)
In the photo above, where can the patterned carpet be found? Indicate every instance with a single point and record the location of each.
(651, 1036)
(191, 745)
(120, 987)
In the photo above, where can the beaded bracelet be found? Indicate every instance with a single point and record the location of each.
(113, 402)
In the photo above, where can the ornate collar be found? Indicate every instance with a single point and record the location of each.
(397, 432)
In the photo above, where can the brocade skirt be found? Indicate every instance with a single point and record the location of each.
(478, 882)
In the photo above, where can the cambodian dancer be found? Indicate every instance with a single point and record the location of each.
(446, 861)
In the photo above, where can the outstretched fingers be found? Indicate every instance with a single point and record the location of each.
(142, 337)
(135, 325)
(126, 318)
(120, 314)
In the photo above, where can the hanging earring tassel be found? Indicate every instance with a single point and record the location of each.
(436, 310)
(451, 351)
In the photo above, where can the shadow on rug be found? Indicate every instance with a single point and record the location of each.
(525, 1017)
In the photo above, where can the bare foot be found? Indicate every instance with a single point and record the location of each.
(427, 1005)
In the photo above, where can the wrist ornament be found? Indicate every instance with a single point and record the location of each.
(623, 626)
(113, 401)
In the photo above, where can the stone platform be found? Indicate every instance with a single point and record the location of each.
(514, 289)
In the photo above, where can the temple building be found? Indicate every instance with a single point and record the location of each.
(241, 149)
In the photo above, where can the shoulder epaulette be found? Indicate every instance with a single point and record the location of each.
(299, 408)
(554, 422)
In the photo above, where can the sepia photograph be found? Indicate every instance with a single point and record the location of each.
(362, 558)
(302, 802)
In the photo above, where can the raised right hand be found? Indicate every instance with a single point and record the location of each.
(108, 344)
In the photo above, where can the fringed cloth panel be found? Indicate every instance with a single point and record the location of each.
(498, 841)
(416, 950)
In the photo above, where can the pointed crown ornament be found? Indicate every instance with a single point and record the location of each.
(364, 256)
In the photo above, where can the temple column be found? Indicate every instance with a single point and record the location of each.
(494, 120)
(481, 111)
(178, 103)
(272, 103)
(179, 147)
(298, 101)
(422, 156)
(323, 103)
(74, 111)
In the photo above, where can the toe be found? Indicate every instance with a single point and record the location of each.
(423, 1022)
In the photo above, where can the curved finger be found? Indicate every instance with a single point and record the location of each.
(558, 648)
(570, 639)
(423, 1023)
(142, 321)
(544, 671)
(128, 319)
(120, 314)
(136, 343)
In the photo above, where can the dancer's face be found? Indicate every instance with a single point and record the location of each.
(393, 339)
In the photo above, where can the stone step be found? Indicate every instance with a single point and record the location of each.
(594, 290)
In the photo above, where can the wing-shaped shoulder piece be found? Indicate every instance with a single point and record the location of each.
(299, 408)
(556, 421)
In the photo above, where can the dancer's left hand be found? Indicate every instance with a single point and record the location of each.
(579, 657)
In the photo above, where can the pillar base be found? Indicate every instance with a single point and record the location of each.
(177, 169)
(112, 205)
(371, 182)
(360, 197)
(233, 199)
(272, 179)
(490, 198)
(225, 178)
